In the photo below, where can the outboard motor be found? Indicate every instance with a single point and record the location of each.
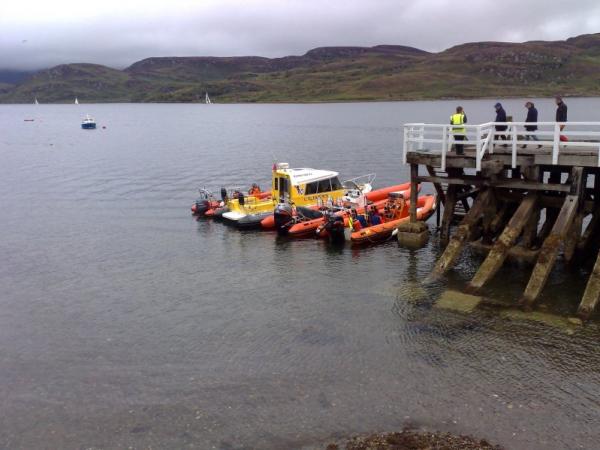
(201, 206)
(284, 218)
(202, 203)
(335, 229)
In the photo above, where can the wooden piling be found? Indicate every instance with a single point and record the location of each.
(573, 237)
(510, 197)
(414, 174)
(448, 215)
(462, 235)
(590, 233)
(551, 245)
(591, 295)
(438, 187)
(499, 251)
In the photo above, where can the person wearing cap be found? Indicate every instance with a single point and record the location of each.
(500, 117)
(458, 120)
(532, 117)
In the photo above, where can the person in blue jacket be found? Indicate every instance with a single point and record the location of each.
(374, 217)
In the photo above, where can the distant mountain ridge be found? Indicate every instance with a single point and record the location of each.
(383, 72)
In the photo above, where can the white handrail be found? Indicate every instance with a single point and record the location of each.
(485, 138)
(555, 143)
(484, 147)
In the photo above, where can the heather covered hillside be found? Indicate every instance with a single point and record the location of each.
(384, 72)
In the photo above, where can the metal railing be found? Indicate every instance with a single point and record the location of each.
(440, 138)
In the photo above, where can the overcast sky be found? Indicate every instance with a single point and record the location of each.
(43, 33)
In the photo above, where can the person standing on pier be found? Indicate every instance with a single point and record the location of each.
(561, 114)
(458, 120)
(532, 117)
(500, 117)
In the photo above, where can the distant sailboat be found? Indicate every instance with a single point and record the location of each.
(35, 102)
(207, 99)
(76, 101)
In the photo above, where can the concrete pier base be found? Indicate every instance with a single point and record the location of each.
(413, 234)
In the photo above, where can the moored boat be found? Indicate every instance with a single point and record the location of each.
(304, 226)
(298, 186)
(88, 123)
(209, 206)
(395, 212)
(205, 202)
(286, 216)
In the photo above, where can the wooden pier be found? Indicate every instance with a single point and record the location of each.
(533, 204)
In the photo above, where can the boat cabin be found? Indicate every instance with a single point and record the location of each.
(304, 186)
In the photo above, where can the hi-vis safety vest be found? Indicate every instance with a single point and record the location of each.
(458, 119)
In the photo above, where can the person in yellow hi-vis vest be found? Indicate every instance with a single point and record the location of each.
(458, 121)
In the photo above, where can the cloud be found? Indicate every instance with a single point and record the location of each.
(40, 34)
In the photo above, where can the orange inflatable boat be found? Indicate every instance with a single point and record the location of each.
(391, 219)
(378, 199)
(306, 226)
(383, 193)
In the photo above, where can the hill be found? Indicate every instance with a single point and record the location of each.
(384, 72)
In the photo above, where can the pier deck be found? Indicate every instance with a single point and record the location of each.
(535, 203)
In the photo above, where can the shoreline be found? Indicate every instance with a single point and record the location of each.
(316, 102)
(412, 440)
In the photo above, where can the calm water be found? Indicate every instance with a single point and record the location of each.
(124, 322)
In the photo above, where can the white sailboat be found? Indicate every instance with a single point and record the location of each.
(35, 102)
(207, 99)
(76, 101)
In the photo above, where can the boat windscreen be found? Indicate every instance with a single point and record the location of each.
(327, 185)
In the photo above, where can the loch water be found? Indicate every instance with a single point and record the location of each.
(127, 323)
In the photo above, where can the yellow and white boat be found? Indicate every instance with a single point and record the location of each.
(297, 187)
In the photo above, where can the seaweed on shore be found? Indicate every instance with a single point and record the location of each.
(411, 440)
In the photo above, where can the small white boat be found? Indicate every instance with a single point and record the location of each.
(207, 99)
(76, 101)
(88, 123)
(35, 102)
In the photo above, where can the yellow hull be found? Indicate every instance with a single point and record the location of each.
(256, 206)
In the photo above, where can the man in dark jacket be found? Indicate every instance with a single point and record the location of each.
(532, 117)
(561, 111)
(500, 117)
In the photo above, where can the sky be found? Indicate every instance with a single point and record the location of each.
(36, 34)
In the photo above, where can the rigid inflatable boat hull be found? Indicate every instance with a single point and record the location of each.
(251, 221)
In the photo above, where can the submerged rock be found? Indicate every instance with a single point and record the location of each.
(458, 301)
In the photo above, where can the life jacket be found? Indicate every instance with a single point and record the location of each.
(458, 119)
